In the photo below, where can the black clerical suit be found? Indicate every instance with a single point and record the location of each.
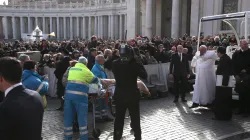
(21, 115)
(223, 95)
(241, 70)
(127, 95)
(179, 67)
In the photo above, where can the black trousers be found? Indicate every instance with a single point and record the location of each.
(60, 89)
(223, 103)
(180, 86)
(134, 111)
(244, 97)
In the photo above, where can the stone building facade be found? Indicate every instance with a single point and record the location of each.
(115, 19)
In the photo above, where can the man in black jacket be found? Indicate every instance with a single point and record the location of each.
(181, 73)
(61, 67)
(21, 111)
(126, 71)
(241, 71)
(1, 96)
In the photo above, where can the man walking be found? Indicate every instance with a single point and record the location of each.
(181, 73)
(21, 112)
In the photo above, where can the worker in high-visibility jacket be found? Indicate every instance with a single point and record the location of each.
(76, 98)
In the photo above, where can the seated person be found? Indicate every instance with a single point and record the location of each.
(33, 81)
(98, 71)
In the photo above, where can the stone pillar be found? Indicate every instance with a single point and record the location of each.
(96, 26)
(89, 28)
(50, 25)
(29, 26)
(77, 27)
(64, 28)
(58, 28)
(44, 24)
(112, 27)
(21, 26)
(109, 26)
(83, 28)
(5, 27)
(120, 30)
(101, 26)
(175, 28)
(149, 16)
(36, 21)
(125, 27)
(133, 11)
(208, 26)
(194, 25)
(71, 27)
(14, 27)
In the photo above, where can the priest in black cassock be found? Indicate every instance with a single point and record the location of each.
(223, 95)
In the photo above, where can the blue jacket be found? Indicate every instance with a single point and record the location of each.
(98, 71)
(31, 80)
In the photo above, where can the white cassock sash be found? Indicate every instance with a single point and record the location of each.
(219, 79)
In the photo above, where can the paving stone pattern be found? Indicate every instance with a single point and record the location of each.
(161, 119)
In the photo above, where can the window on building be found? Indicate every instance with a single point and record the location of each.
(229, 6)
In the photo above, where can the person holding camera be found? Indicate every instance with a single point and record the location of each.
(126, 71)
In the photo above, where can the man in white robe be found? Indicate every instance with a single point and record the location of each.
(205, 83)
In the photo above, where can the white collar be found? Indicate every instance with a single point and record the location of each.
(12, 87)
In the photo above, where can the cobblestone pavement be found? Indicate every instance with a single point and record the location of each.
(161, 119)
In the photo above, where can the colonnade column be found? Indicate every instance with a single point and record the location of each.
(64, 28)
(120, 26)
(109, 26)
(21, 25)
(96, 25)
(29, 26)
(36, 21)
(83, 28)
(89, 27)
(58, 28)
(14, 27)
(149, 16)
(71, 28)
(101, 26)
(125, 26)
(51, 24)
(5, 26)
(44, 24)
(77, 27)
(175, 19)
(112, 27)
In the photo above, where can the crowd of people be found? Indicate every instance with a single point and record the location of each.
(94, 60)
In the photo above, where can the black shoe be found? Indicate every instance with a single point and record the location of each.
(60, 109)
(175, 100)
(184, 100)
(194, 105)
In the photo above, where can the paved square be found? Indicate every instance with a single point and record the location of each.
(161, 119)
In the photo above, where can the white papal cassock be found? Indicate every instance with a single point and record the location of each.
(205, 82)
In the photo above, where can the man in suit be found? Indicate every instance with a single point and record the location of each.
(181, 73)
(21, 112)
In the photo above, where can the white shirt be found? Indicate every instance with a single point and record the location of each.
(10, 88)
(180, 54)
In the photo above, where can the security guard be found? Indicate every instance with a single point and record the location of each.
(126, 71)
(76, 98)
